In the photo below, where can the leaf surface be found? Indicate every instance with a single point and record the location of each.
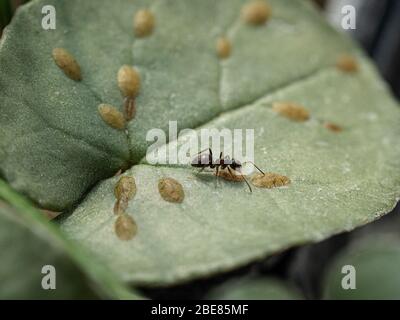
(54, 146)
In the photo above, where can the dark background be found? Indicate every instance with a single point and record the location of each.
(377, 31)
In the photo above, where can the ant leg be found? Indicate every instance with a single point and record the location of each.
(219, 159)
(255, 166)
(210, 154)
(209, 158)
(208, 149)
(248, 184)
(230, 172)
(201, 170)
(217, 174)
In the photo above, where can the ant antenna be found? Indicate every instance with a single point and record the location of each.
(208, 149)
(255, 166)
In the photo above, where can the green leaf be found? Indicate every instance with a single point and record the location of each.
(376, 263)
(60, 146)
(254, 289)
(339, 181)
(28, 243)
(54, 146)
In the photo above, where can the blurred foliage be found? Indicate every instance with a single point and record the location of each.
(376, 261)
(5, 13)
(28, 242)
(7, 10)
(254, 288)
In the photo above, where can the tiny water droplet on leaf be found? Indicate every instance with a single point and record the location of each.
(333, 127)
(224, 48)
(270, 180)
(291, 111)
(171, 190)
(67, 63)
(347, 63)
(50, 214)
(125, 227)
(112, 116)
(256, 12)
(143, 23)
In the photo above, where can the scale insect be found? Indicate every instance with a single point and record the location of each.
(205, 160)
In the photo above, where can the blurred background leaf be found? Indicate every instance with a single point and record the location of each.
(5, 13)
(28, 242)
(377, 31)
(376, 262)
(254, 288)
(7, 9)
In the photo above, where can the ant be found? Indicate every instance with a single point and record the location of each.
(203, 161)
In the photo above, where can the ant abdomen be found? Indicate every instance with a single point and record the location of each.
(202, 160)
